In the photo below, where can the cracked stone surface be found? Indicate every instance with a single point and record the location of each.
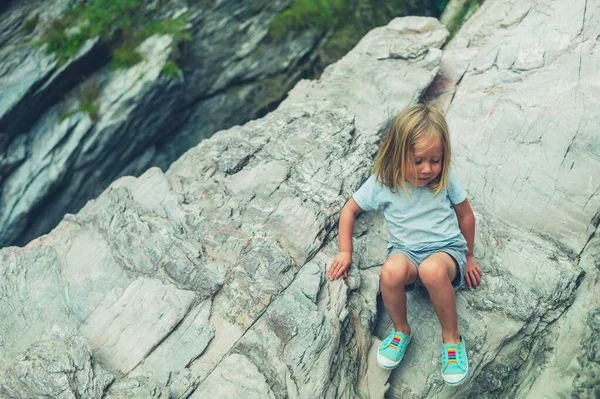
(50, 166)
(526, 137)
(173, 277)
(59, 366)
(210, 278)
(521, 93)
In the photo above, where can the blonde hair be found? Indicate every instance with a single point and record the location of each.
(396, 152)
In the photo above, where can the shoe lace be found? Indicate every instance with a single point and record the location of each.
(453, 357)
(395, 341)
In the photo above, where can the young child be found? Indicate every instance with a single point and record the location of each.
(431, 229)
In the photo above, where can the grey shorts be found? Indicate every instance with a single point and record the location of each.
(458, 253)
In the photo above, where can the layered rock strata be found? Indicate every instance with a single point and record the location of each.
(230, 71)
(210, 278)
(54, 156)
(221, 261)
(520, 87)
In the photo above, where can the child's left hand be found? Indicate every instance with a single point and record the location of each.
(472, 272)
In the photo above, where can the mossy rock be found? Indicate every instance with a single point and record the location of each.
(122, 24)
(171, 70)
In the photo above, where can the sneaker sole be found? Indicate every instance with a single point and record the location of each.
(383, 366)
(457, 382)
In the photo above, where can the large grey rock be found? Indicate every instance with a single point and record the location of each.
(232, 72)
(174, 276)
(237, 235)
(60, 150)
(137, 110)
(519, 84)
(566, 361)
(32, 81)
(61, 366)
(532, 91)
(136, 388)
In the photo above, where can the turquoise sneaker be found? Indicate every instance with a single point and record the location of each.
(455, 365)
(391, 350)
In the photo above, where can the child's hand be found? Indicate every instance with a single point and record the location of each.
(472, 272)
(340, 265)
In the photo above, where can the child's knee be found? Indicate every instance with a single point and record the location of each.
(433, 272)
(395, 273)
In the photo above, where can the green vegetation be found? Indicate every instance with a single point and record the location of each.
(88, 97)
(29, 25)
(357, 15)
(302, 14)
(171, 70)
(121, 24)
(347, 20)
(461, 17)
(88, 93)
(204, 3)
(124, 57)
(270, 91)
(91, 110)
(340, 42)
(176, 27)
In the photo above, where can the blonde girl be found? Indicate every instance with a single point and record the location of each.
(431, 229)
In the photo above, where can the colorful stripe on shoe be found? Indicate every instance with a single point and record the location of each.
(395, 341)
(452, 356)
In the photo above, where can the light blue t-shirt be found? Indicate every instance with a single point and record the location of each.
(421, 222)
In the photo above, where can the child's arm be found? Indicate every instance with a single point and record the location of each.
(343, 259)
(466, 223)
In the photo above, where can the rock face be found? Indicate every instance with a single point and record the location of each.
(523, 119)
(211, 278)
(231, 71)
(142, 113)
(221, 260)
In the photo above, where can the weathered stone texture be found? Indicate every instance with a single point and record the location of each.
(224, 252)
(521, 90)
(210, 279)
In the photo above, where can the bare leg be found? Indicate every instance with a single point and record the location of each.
(397, 271)
(437, 273)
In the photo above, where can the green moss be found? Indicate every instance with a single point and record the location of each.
(302, 14)
(270, 91)
(202, 3)
(468, 10)
(29, 25)
(107, 19)
(360, 17)
(89, 92)
(125, 57)
(88, 97)
(91, 109)
(58, 42)
(176, 27)
(171, 70)
(332, 15)
(122, 24)
(338, 45)
(67, 115)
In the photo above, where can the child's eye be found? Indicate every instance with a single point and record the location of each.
(418, 162)
(435, 161)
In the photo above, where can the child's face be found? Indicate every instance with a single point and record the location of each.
(427, 156)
